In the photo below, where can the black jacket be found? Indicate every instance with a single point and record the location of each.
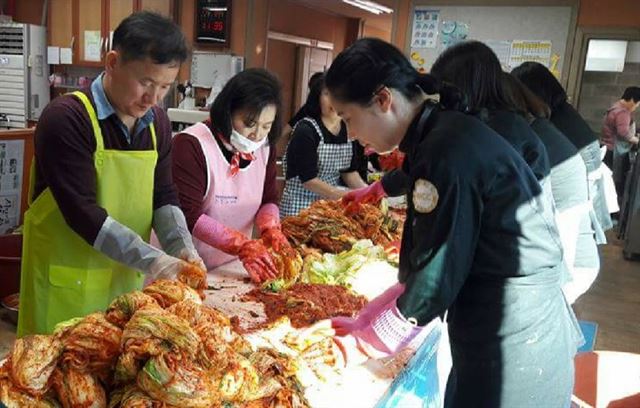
(476, 243)
(569, 122)
(517, 132)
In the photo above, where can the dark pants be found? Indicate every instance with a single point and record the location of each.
(620, 176)
(608, 159)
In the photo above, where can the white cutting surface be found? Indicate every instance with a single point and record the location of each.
(231, 282)
(359, 385)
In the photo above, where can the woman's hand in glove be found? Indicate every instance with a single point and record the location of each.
(276, 239)
(347, 325)
(370, 194)
(257, 261)
(268, 221)
(387, 333)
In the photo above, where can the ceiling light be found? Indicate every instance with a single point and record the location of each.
(373, 4)
(363, 6)
(370, 6)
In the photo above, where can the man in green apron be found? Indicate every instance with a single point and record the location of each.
(102, 180)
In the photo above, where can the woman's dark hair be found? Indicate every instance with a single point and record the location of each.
(314, 77)
(475, 69)
(632, 93)
(147, 34)
(370, 64)
(251, 90)
(541, 82)
(312, 106)
(524, 99)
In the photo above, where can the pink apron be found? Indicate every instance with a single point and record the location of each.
(231, 200)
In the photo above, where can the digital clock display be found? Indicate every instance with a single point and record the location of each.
(212, 21)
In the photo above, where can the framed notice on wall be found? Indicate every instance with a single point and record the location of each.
(213, 19)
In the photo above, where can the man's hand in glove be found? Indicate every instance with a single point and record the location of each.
(192, 257)
(167, 267)
(196, 275)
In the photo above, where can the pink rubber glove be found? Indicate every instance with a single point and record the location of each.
(370, 194)
(253, 254)
(347, 325)
(389, 332)
(268, 222)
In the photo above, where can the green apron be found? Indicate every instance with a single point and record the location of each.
(62, 275)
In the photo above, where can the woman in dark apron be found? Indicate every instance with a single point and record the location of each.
(320, 160)
(541, 81)
(476, 242)
(570, 189)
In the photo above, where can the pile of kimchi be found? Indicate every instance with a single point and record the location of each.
(160, 347)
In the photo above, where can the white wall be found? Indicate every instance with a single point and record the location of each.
(633, 52)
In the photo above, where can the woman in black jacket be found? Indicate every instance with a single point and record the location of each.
(475, 242)
(542, 82)
(570, 191)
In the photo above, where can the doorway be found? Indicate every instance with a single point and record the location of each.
(577, 69)
(611, 65)
(293, 60)
(309, 60)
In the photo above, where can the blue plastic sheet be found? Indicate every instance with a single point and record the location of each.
(417, 385)
(589, 331)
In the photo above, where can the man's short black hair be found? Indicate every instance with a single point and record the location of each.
(632, 93)
(147, 34)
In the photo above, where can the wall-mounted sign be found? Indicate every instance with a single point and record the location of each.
(213, 20)
(425, 28)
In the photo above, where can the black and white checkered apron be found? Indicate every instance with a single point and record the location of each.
(331, 159)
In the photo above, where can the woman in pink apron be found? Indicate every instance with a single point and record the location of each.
(225, 172)
(320, 160)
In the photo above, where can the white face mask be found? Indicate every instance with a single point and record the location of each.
(243, 144)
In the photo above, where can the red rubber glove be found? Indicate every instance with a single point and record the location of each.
(257, 261)
(370, 194)
(253, 254)
(348, 325)
(268, 222)
(391, 161)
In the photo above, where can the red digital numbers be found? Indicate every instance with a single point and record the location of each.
(213, 26)
(211, 21)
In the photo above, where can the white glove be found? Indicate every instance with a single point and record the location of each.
(166, 267)
(172, 232)
(192, 257)
(122, 244)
